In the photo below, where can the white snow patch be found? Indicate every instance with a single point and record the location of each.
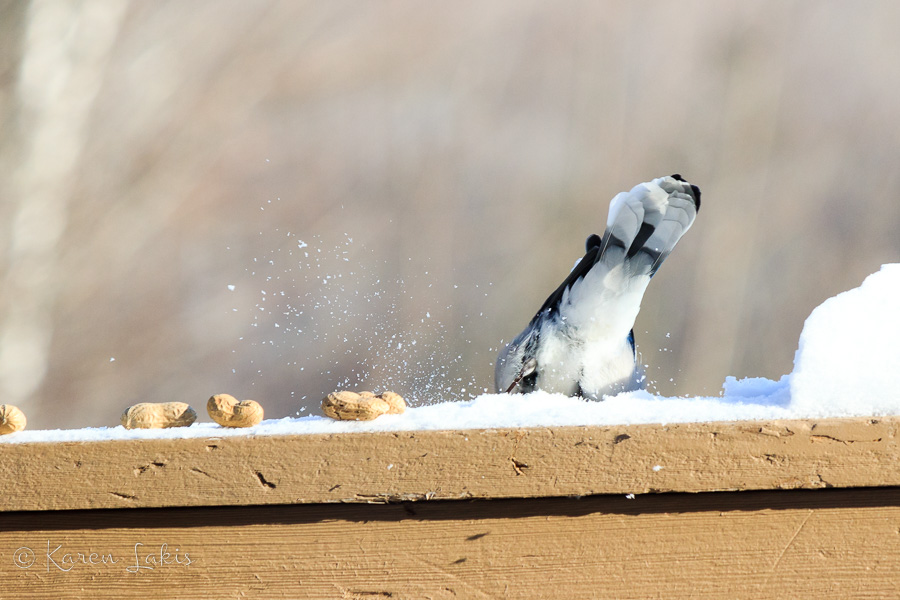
(847, 364)
(848, 359)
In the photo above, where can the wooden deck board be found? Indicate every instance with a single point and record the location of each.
(421, 465)
(759, 545)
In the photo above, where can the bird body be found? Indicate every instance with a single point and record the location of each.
(581, 341)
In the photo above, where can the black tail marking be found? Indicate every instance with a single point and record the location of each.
(694, 189)
(642, 236)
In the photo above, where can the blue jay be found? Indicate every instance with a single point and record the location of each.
(581, 341)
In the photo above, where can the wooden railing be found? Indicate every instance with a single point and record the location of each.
(784, 509)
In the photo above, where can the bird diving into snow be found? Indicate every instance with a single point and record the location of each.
(581, 341)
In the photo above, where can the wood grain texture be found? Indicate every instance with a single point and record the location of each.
(428, 465)
(840, 543)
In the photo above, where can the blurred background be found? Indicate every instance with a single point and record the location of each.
(280, 199)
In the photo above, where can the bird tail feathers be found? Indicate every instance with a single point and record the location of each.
(645, 223)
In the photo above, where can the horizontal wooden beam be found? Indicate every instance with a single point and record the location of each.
(426, 465)
(839, 543)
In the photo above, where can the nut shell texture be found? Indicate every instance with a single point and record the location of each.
(158, 415)
(350, 406)
(395, 401)
(12, 419)
(228, 412)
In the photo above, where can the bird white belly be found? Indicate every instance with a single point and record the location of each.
(569, 366)
(560, 364)
(608, 370)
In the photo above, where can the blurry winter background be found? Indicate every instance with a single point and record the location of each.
(278, 199)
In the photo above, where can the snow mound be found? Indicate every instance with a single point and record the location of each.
(848, 359)
(847, 364)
